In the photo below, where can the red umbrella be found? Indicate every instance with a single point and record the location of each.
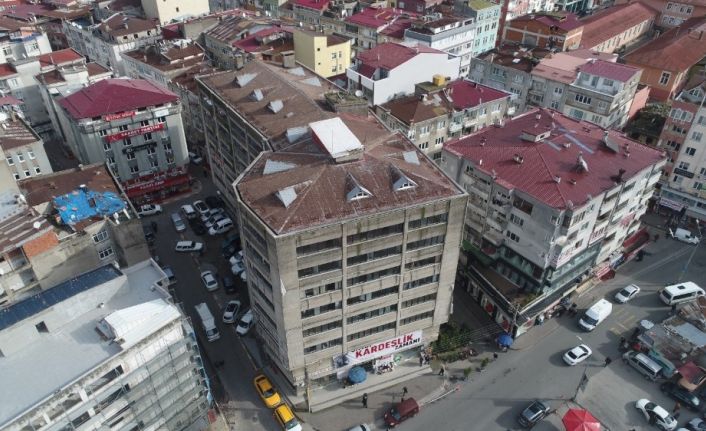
(580, 420)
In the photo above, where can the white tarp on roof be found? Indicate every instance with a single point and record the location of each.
(336, 137)
(133, 324)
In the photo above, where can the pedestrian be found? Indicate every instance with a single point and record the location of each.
(674, 308)
(421, 360)
(495, 355)
(404, 392)
(622, 341)
(607, 361)
(365, 401)
(442, 371)
(676, 408)
(205, 173)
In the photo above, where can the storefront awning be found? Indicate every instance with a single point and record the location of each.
(155, 184)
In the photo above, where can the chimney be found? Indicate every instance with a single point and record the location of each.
(557, 179)
(518, 159)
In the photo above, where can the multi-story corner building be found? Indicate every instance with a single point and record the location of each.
(348, 246)
(19, 43)
(326, 55)
(487, 22)
(162, 62)
(391, 70)
(441, 111)
(104, 42)
(309, 11)
(673, 13)
(667, 59)
(618, 27)
(559, 31)
(23, 148)
(45, 18)
(135, 127)
(220, 41)
(684, 138)
(454, 35)
(550, 198)
(166, 11)
(508, 68)
(586, 86)
(41, 244)
(121, 355)
(253, 109)
(371, 26)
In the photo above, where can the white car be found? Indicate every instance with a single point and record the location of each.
(656, 414)
(245, 323)
(231, 311)
(209, 280)
(627, 293)
(188, 246)
(213, 220)
(237, 268)
(195, 158)
(577, 355)
(211, 213)
(201, 207)
(244, 276)
(148, 210)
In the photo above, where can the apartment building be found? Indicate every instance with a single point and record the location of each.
(166, 11)
(348, 246)
(508, 68)
(326, 55)
(219, 41)
(161, 62)
(587, 86)
(618, 27)
(673, 13)
(391, 70)
(439, 111)
(21, 42)
(371, 26)
(550, 198)
(45, 239)
(269, 43)
(487, 21)
(103, 42)
(684, 181)
(23, 148)
(415, 6)
(551, 30)
(666, 60)
(135, 127)
(259, 107)
(44, 18)
(121, 355)
(309, 11)
(454, 35)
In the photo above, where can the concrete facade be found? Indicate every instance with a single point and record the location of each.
(487, 17)
(452, 35)
(21, 46)
(174, 10)
(326, 55)
(23, 148)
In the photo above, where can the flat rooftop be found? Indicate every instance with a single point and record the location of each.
(72, 346)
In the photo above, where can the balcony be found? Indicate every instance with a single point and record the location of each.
(455, 127)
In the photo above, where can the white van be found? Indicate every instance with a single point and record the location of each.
(221, 226)
(178, 222)
(684, 235)
(208, 323)
(682, 292)
(189, 212)
(595, 315)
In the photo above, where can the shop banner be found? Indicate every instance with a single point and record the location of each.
(118, 116)
(134, 132)
(383, 348)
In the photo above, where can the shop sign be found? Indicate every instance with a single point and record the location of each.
(671, 204)
(133, 148)
(383, 348)
(683, 173)
(135, 132)
(118, 116)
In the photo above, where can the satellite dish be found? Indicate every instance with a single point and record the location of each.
(358, 93)
(37, 225)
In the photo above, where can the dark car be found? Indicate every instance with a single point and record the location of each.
(149, 235)
(197, 226)
(214, 202)
(229, 284)
(400, 412)
(682, 395)
(534, 413)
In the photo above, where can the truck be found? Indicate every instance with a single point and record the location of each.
(208, 323)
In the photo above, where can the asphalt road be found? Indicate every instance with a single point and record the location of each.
(240, 403)
(493, 399)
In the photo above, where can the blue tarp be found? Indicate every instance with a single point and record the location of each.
(82, 204)
(505, 340)
(357, 375)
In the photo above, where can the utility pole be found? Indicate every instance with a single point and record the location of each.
(582, 383)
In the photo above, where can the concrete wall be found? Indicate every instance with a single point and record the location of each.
(167, 10)
(313, 52)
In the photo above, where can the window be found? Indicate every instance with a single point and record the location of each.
(684, 165)
(427, 242)
(16, 175)
(424, 145)
(322, 328)
(27, 173)
(690, 151)
(664, 78)
(602, 105)
(151, 150)
(422, 316)
(319, 246)
(516, 220)
(431, 220)
(127, 142)
(20, 157)
(37, 170)
(583, 99)
(147, 136)
(421, 282)
(102, 132)
(318, 269)
(130, 156)
(512, 236)
(371, 331)
(106, 146)
(373, 313)
(162, 119)
(697, 185)
(100, 236)
(558, 90)
(439, 140)
(677, 179)
(30, 154)
(10, 160)
(419, 300)
(607, 82)
(144, 123)
(696, 136)
(122, 128)
(154, 163)
(523, 205)
(105, 253)
(41, 327)
(134, 169)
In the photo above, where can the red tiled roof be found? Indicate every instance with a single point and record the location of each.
(676, 50)
(253, 42)
(312, 4)
(391, 55)
(467, 94)
(56, 58)
(374, 17)
(556, 156)
(26, 11)
(613, 21)
(171, 32)
(114, 95)
(565, 21)
(610, 70)
(397, 28)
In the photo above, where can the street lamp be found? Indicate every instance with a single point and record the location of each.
(693, 252)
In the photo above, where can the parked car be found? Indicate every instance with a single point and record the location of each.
(680, 394)
(230, 240)
(215, 202)
(210, 213)
(214, 219)
(400, 412)
(221, 226)
(534, 413)
(694, 379)
(149, 235)
(229, 284)
(577, 355)
(197, 226)
(188, 246)
(149, 209)
(237, 268)
(231, 311)
(229, 251)
(266, 391)
(656, 415)
(286, 418)
(189, 212)
(245, 323)
(696, 424)
(209, 280)
(244, 276)
(200, 207)
(627, 293)
(178, 222)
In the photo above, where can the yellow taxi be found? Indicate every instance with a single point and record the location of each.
(266, 391)
(286, 418)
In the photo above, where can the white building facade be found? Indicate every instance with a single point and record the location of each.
(452, 35)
